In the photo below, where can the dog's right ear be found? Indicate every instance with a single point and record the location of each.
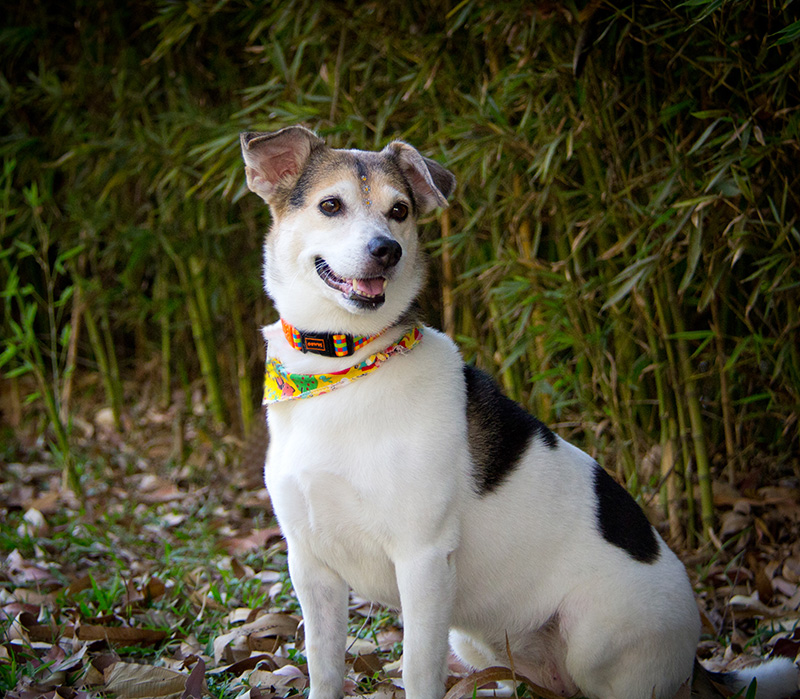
(432, 184)
(273, 158)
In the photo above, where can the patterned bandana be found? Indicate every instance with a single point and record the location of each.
(280, 385)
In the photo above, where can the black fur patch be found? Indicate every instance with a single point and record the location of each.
(361, 169)
(621, 521)
(499, 430)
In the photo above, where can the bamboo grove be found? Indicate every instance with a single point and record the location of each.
(622, 252)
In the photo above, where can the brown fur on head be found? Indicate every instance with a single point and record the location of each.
(280, 166)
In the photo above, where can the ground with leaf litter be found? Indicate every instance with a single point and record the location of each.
(166, 576)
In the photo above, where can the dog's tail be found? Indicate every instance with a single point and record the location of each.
(775, 679)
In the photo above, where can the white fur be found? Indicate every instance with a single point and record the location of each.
(299, 294)
(775, 678)
(372, 485)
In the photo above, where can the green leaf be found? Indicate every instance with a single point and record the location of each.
(8, 353)
(26, 248)
(787, 35)
(693, 256)
(704, 137)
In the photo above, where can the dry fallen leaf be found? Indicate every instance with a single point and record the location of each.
(268, 625)
(116, 634)
(133, 681)
(281, 681)
(469, 684)
(255, 540)
(196, 682)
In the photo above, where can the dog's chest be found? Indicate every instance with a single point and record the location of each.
(370, 471)
(341, 522)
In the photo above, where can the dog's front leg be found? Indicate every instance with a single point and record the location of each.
(323, 597)
(426, 581)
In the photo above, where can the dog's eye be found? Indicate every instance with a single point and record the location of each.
(330, 206)
(399, 211)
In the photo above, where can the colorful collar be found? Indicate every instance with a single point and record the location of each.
(326, 344)
(280, 385)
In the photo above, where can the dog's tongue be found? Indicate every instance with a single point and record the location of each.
(368, 287)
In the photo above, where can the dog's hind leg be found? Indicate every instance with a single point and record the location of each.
(323, 597)
(630, 654)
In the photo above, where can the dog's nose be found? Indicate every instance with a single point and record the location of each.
(385, 251)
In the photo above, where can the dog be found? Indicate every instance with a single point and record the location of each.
(397, 470)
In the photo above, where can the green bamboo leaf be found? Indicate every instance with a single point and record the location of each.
(8, 354)
(25, 368)
(26, 248)
(691, 335)
(12, 284)
(69, 254)
(788, 34)
(625, 289)
(694, 201)
(755, 398)
(31, 397)
(704, 136)
(66, 333)
(693, 255)
(64, 297)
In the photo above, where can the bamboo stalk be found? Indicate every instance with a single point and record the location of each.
(623, 400)
(585, 388)
(669, 461)
(246, 407)
(102, 343)
(50, 390)
(695, 416)
(507, 376)
(677, 425)
(205, 333)
(115, 381)
(667, 426)
(69, 475)
(101, 357)
(71, 360)
(161, 294)
(524, 229)
(205, 354)
(725, 396)
(448, 279)
(537, 356)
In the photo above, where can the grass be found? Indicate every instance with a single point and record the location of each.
(92, 568)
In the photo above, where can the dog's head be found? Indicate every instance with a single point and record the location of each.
(342, 254)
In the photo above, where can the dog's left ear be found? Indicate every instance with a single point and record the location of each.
(271, 158)
(432, 184)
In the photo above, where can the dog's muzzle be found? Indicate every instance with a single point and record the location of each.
(367, 292)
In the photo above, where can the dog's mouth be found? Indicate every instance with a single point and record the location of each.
(368, 292)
